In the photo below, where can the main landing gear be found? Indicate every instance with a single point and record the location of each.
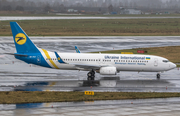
(91, 75)
(158, 76)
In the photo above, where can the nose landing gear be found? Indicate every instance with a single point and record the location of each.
(91, 75)
(158, 76)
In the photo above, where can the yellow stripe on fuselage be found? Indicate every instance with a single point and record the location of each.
(51, 61)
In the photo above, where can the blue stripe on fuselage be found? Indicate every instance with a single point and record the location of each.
(34, 58)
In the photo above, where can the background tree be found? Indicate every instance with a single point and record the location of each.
(19, 8)
(110, 8)
(47, 8)
(7, 8)
(62, 8)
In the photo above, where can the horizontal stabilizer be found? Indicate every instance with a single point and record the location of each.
(22, 55)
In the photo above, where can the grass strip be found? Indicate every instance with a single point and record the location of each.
(15, 97)
(96, 27)
(169, 52)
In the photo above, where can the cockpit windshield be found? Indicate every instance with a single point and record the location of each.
(165, 61)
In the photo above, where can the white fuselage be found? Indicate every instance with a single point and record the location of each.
(122, 62)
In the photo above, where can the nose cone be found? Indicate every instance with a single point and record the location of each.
(172, 65)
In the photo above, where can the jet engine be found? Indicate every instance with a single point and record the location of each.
(108, 71)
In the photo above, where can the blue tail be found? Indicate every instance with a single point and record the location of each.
(22, 42)
(77, 50)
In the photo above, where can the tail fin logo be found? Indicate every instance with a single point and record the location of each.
(20, 38)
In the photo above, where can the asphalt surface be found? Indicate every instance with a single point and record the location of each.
(139, 107)
(15, 75)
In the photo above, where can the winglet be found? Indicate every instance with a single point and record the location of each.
(59, 58)
(77, 50)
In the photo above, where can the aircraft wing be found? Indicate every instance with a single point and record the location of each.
(88, 66)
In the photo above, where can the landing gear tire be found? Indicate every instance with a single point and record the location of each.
(89, 78)
(92, 78)
(158, 76)
(91, 75)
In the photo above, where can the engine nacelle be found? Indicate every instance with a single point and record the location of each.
(108, 71)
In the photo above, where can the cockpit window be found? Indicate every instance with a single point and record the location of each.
(165, 61)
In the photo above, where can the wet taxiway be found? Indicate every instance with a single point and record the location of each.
(18, 76)
(93, 43)
(141, 107)
(30, 78)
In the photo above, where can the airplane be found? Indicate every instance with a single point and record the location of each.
(105, 64)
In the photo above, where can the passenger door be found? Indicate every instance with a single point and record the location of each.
(155, 62)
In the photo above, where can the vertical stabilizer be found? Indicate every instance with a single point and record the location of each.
(21, 40)
(77, 50)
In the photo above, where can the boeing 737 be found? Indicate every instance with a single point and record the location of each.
(105, 64)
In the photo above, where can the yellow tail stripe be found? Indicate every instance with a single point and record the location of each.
(47, 55)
